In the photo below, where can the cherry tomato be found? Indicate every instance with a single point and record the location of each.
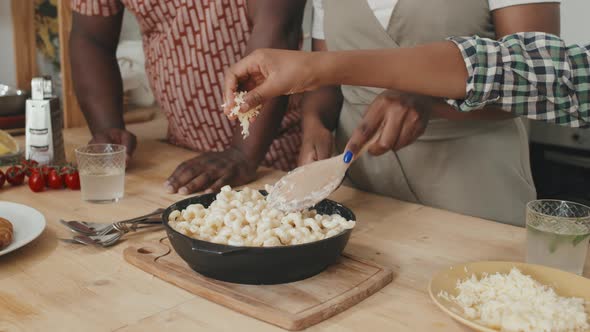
(54, 180)
(15, 175)
(36, 182)
(29, 165)
(73, 180)
(45, 170)
(34, 170)
(2, 179)
(64, 171)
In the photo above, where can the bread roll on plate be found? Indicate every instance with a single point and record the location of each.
(6, 233)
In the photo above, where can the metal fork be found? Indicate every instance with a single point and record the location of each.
(93, 228)
(111, 227)
(89, 228)
(110, 239)
(122, 229)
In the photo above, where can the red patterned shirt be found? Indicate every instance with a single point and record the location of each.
(187, 46)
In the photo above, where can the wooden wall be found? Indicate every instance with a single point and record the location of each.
(73, 116)
(24, 42)
(26, 54)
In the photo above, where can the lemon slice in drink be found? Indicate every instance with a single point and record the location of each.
(7, 144)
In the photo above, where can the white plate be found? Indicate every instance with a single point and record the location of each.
(27, 222)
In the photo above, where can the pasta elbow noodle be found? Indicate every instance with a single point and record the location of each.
(271, 242)
(313, 224)
(235, 241)
(348, 224)
(174, 215)
(330, 223)
(252, 217)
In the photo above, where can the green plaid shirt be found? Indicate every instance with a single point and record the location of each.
(530, 74)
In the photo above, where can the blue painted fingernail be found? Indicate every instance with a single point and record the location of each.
(347, 157)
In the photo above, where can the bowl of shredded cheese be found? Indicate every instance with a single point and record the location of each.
(511, 296)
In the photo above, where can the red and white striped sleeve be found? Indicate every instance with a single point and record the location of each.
(97, 7)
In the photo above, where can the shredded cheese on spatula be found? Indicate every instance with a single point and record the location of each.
(243, 117)
(517, 302)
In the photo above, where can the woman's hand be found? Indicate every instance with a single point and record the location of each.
(268, 73)
(210, 171)
(397, 120)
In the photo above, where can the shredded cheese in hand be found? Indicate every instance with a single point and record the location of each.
(516, 302)
(243, 117)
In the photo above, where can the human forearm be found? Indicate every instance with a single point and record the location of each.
(98, 87)
(321, 110)
(97, 80)
(435, 69)
(322, 106)
(527, 74)
(277, 25)
(425, 77)
(441, 109)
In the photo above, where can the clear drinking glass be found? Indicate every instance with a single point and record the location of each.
(557, 234)
(102, 172)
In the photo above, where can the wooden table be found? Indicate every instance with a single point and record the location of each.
(53, 286)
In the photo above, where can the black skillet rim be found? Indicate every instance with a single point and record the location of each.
(231, 248)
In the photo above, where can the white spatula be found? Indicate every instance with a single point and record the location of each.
(307, 185)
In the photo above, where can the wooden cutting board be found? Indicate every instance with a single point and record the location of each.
(293, 306)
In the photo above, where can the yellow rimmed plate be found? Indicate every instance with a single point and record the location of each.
(565, 284)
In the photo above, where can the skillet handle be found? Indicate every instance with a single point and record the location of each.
(216, 251)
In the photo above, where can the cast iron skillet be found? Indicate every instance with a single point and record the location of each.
(258, 265)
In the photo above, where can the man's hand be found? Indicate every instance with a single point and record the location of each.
(316, 143)
(397, 120)
(211, 171)
(116, 136)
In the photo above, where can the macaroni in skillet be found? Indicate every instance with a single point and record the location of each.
(243, 219)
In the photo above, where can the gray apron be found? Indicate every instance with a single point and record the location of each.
(477, 168)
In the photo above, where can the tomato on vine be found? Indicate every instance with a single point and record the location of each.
(54, 180)
(36, 182)
(15, 175)
(73, 180)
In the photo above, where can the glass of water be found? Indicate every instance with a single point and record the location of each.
(557, 234)
(102, 172)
